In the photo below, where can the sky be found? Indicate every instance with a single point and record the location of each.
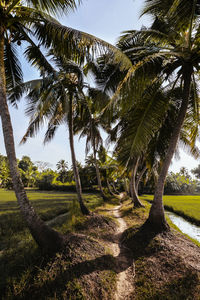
(105, 19)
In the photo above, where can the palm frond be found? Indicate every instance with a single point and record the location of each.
(157, 7)
(16, 93)
(178, 12)
(146, 119)
(54, 6)
(53, 124)
(77, 44)
(33, 128)
(14, 75)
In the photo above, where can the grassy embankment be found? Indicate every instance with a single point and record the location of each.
(165, 265)
(21, 264)
(186, 206)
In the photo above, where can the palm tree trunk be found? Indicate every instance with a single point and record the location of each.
(156, 217)
(126, 187)
(139, 177)
(114, 188)
(83, 208)
(47, 239)
(109, 188)
(134, 194)
(97, 171)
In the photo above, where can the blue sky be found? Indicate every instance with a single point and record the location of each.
(105, 19)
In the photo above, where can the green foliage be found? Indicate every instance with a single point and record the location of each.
(44, 182)
(181, 183)
(196, 171)
(62, 169)
(28, 171)
(5, 178)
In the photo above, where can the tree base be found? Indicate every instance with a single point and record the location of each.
(157, 225)
(136, 202)
(49, 240)
(85, 211)
(138, 205)
(105, 199)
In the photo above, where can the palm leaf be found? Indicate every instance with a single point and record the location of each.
(53, 6)
(74, 43)
(146, 119)
(14, 75)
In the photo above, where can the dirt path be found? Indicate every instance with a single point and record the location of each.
(125, 265)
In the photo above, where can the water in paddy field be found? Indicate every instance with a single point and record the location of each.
(185, 226)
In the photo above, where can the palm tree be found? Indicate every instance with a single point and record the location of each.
(62, 168)
(89, 123)
(17, 19)
(62, 165)
(54, 98)
(171, 45)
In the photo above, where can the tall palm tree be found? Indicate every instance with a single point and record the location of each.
(89, 123)
(17, 19)
(128, 163)
(172, 46)
(20, 20)
(54, 98)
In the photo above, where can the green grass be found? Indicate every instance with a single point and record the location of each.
(184, 205)
(47, 204)
(19, 255)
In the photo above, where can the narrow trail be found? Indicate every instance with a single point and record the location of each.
(125, 264)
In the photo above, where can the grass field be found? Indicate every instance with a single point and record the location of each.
(18, 252)
(21, 263)
(184, 205)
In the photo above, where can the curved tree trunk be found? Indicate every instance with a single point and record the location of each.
(47, 239)
(140, 177)
(156, 217)
(109, 188)
(97, 171)
(114, 188)
(126, 187)
(134, 194)
(83, 208)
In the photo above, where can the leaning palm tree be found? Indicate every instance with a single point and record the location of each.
(172, 46)
(54, 98)
(17, 19)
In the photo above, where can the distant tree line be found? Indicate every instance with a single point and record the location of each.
(40, 175)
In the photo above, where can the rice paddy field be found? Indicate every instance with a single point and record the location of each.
(18, 252)
(187, 206)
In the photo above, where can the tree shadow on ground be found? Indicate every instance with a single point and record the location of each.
(161, 272)
(67, 271)
(140, 240)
